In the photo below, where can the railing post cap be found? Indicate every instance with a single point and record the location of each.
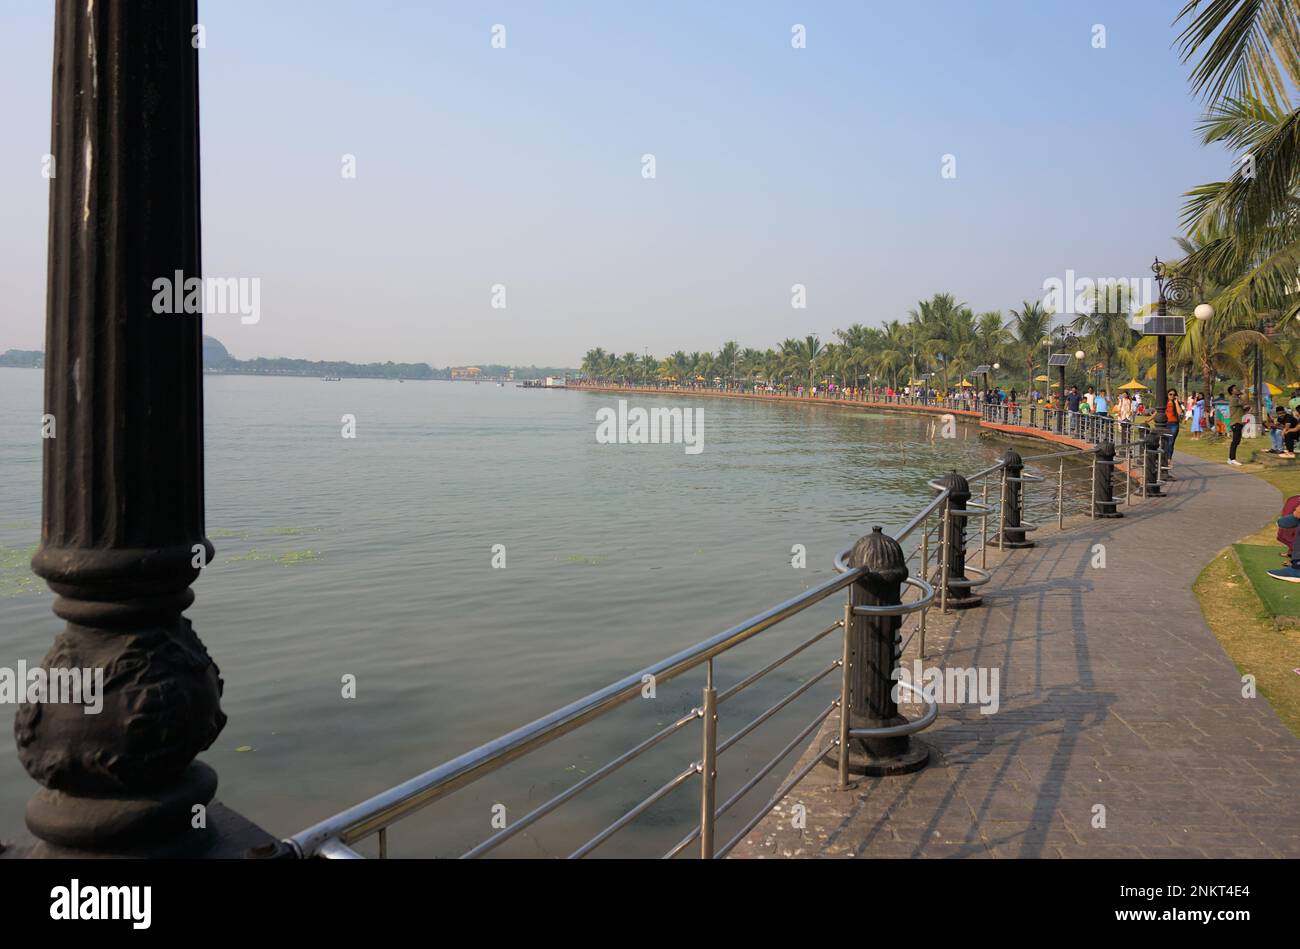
(957, 485)
(881, 555)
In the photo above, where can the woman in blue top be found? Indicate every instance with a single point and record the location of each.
(1198, 411)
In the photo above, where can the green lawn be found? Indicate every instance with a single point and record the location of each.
(1280, 598)
(1228, 589)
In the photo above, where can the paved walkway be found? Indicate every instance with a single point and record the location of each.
(1114, 692)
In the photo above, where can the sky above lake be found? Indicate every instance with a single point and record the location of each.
(479, 167)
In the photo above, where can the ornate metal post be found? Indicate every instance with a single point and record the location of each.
(1060, 418)
(122, 533)
(1013, 500)
(959, 585)
(1103, 488)
(874, 645)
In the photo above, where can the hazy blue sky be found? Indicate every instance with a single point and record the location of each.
(522, 166)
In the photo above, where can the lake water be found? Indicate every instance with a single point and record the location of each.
(372, 557)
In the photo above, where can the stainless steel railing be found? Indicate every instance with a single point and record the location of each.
(928, 534)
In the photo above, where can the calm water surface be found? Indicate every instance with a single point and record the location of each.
(372, 557)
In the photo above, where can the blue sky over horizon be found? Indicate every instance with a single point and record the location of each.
(522, 166)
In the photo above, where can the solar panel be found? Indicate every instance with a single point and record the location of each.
(981, 370)
(1164, 326)
(1058, 359)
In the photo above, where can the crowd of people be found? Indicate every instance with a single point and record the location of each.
(1194, 412)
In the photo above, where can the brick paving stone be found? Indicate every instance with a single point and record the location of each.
(1113, 692)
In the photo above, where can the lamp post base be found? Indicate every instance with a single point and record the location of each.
(914, 757)
(228, 836)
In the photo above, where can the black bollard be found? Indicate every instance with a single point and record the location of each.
(1151, 465)
(1013, 502)
(873, 652)
(1103, 482)
(959, 596)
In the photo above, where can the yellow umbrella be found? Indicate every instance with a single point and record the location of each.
(1294, 385)
(1132, 384)
(1272, 389)
(966, 384)
(1041, 379)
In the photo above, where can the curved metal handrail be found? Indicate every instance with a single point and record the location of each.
(907, 728)
(902, 609)
(982, 577)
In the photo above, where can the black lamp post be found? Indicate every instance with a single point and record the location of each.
(1177, 290)
(1060, 360)
(122, 535)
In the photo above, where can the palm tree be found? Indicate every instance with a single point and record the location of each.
(991, 338)
(1030, 324)
(940, 326)
(1248, 227)
(1106, 323)
(649, 367)
(807, 352)
(593, 363)
(728, 361)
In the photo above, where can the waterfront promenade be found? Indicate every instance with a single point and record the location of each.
(1114, 694)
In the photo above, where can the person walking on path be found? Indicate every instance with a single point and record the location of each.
(1173, 412)
(1198, 412)
(1236, 414)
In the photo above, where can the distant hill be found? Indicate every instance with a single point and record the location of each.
(216, 358)
(22, 359)
(215, 355)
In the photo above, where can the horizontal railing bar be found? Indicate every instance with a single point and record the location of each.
(506, 833)
(385, 808)
(335, 849)
(921, 516)
(898, 535)
(803, 687)
(635, 812)
(762, 773)
(985, 473)
(751, 679)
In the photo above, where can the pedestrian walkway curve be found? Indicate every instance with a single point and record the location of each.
(1122, 729)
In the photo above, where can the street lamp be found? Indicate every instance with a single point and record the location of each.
(1060, 361)
(1177, 290)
